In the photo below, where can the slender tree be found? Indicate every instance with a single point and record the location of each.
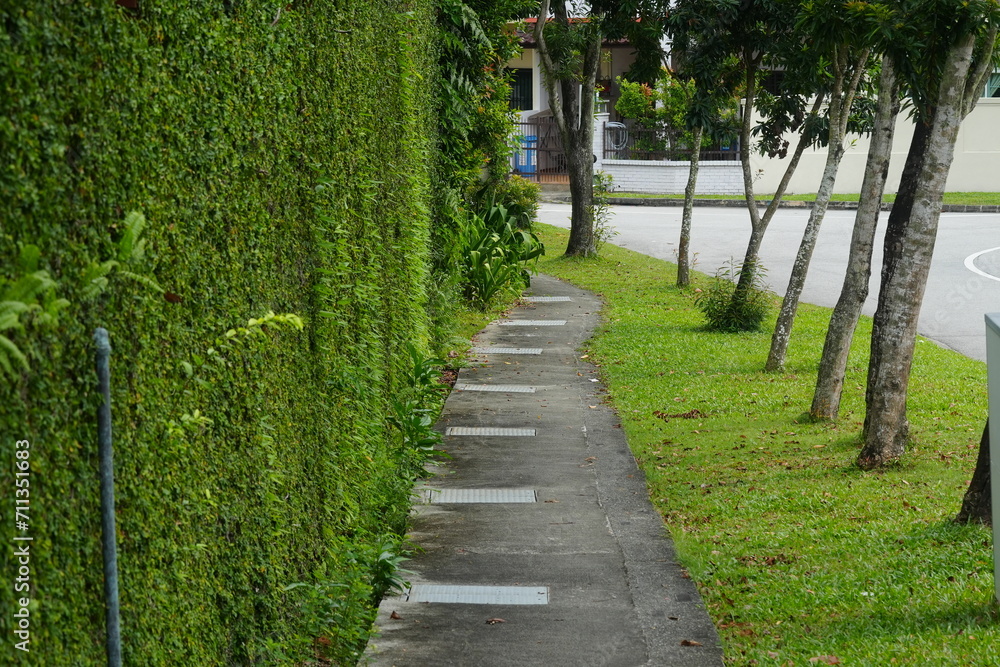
(684, 243)
(836, 34)
(754, 33)
(958, 72)
(700, 56)
(569, 72)
(844, 320)
(570, 51)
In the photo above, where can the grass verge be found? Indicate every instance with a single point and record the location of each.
(798, 554)
(962, 198)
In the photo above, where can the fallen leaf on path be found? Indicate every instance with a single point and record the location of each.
(494, 621)
(690, 642)
(395, 616)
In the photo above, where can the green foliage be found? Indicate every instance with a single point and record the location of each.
(724, 312)
(415, 411)
(178, 175)
(515, 193)
(603, 230)
(496, 257)
(668, 107)
(472, 94)
(20, 302)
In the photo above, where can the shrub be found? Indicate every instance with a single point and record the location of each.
(496, 257)
(730, 310)
(517, 195)
(604, 231)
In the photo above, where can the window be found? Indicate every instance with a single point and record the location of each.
(521, 98)
(992, 86)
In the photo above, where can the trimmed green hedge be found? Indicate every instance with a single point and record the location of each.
(279, 153)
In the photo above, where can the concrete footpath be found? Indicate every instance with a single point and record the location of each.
(537, 541)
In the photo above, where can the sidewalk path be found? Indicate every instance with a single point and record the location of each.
(539, 545)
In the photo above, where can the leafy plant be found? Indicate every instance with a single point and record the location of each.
(516, 194)
(415, 410)
(20, 300)
(388, 574)
(424, 376)
(131, 250)
(603, 230)
(497, 256)
(723, 312)
(329, 610)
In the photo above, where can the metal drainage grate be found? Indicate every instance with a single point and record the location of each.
(502, 388)
(463, 496)
(531, 323)
(506, 350)
(546, 299)
(488, 430)
(520, 595)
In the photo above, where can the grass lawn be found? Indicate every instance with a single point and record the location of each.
(967, 198)
(798, 554)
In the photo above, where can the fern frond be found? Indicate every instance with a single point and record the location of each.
(8, 351)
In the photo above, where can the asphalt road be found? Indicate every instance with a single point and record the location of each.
(964, 281)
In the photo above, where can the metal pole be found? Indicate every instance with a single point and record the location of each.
(108, 499)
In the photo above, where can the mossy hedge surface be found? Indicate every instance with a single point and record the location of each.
(279, 153)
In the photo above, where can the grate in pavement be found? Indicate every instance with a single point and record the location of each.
(531, 323)
(517, 595)
(506, 350)
(502, 388)
(463, 496)
(488, 430)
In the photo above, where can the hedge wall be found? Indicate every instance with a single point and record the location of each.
(278, 154)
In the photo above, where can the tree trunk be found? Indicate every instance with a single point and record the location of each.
(977, 504)
(571, 99)
(581, 187)
(833, 363)
(790, 304)
(758, 222)
(683, 247)
(841, 100)
(904, 273)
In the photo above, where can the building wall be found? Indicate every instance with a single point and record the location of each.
(976, 167)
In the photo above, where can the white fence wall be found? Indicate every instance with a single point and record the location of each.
(976, 167)
(670, 177)
(664, 177)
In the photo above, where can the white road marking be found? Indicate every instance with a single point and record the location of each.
(970, 264)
